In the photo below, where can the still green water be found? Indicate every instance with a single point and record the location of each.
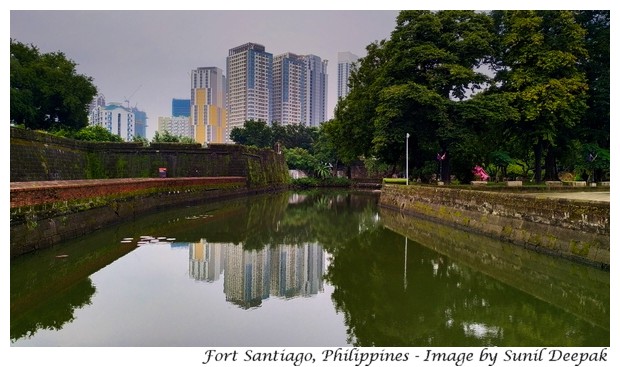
(304, 270)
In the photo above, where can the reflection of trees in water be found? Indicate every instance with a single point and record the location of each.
(53, 313)
(441, 303)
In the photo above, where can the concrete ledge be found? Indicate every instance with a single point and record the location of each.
(479, 183)
(604, 183)
(577, 183)
(514, 183)
(554, 183)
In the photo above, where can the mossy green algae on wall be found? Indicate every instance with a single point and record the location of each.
(37, 156)
(577, 230)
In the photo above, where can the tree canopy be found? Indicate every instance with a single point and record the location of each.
(526, 88)
(46, 90)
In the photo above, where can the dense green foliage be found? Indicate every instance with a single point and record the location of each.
(46, 90)
(89, 133)
(305, 148)
(166, 137)
(521, 93)
(259, 134)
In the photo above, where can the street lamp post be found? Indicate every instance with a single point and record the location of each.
(407, 158)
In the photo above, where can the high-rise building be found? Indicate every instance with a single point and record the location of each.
(140, 122)
(98, 101)
(176, 125)
(181, 107)
(249, 69)
(315, 106)
(299, 89)
(116, 119)
(208, 105)
(289, 89)
(346, 60)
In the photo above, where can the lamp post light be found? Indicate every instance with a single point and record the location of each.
(407, 158)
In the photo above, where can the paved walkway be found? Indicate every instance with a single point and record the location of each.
(592, 196)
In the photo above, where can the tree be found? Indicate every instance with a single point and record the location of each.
(96, 133)
(46, 90)
(411, 83)
(594, 128)
(254, 132)
(538, 64)
(166, 137)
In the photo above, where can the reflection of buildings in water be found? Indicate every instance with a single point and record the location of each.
(297, 270)
(246, 276)
(252, 276)
(205, 260)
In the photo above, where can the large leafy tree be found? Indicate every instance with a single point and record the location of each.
(46, 90)
(410, 84)
(538, 65)
(594, 130)
(254, 132)
(352, 127)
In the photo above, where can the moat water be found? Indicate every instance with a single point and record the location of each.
(302, 270)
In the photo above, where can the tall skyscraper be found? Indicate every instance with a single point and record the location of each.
(208, 105)
(299, 89)
(315, 106)
(181, 107)
(249, 69)
(289, 89)
(345, 63)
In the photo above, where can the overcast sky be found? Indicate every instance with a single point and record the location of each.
(146, 56)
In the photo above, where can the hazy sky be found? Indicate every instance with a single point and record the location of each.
(147, 56)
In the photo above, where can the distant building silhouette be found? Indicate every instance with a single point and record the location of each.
(181, 107)
(176, 125)
(140, 122)
(346, 60)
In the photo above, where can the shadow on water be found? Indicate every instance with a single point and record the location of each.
(431, 286)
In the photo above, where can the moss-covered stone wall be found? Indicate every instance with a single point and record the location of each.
(42, 216)
(577, 230)
(38, 156)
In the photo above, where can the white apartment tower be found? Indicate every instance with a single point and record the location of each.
(314, 110)
(208, 105)
(289, 89)
(249, 71)
(299, 89)
(115, 118)
(346, 60)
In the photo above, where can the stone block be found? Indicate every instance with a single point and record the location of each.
(479, 183)
(577, 183)
(514, 183)
(604, 183)
(553, 183)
